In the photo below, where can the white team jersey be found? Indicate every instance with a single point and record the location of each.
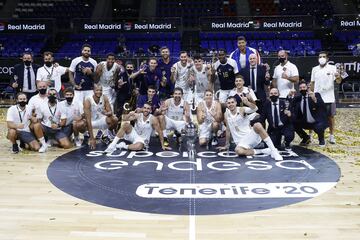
(208, 117)
(49, 114)
(16, 115)
(143, 128)
(69, 112)
(180, 77)
(107, 77)
(97, 109)
(176, 112)
(201, 79)
(245, 91)
(238, 124)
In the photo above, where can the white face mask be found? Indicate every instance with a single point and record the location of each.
(322, 61)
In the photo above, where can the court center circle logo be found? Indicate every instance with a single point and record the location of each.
(168, 182)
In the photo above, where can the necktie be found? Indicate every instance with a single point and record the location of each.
(305, 109)
(29, 78)
(276, 117)
(252, 79)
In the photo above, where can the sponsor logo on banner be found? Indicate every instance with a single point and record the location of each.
(127, 26)
(2, 26)
(166, 182)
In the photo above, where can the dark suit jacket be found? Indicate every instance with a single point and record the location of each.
(318, 110)
(268, 115)
(19, 72)
(260, 80)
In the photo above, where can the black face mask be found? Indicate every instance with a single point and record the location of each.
(22, 103)
(129, 71)
(69, 99)
(42, 91)
(303, 92)
(27, 63)
(48, 64)
(282, 60)
(52, 98)
(274, 98)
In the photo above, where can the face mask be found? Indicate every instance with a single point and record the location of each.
(42, 91)
(48, 64)
(129, 71)
(22, 103)
(322, 61)
(27, 62)
(69, 100)
(52, 98)
(303, 92)
(274, 98)
(282, 60)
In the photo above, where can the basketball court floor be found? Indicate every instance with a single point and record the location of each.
(314, 193)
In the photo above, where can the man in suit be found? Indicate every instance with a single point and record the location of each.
(278, 115)
(23, 78)
(309, 112)
(257, 78)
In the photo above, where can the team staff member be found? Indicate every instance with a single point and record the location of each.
(323, 77)
(242, 53)
(18, 119)
(36, 101)
(139, 135)
(82, 74)
(23, 78)
(98, 114)
(225, 69)
(286, 74)
(51, 73)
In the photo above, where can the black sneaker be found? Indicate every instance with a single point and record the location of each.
(22, 144)
(214, 141)
(305, 141)
(321, 143)
(15, 148)
(99, 134)
(86, 140)
(178, 138)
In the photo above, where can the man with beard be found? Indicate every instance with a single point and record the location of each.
(323, 77)
(18, 119)
(245, 136)
(277, 112)
(226, 69)
(23, 77)
(175, 113)
(50, 125)
(209, 117)
(139, 135)
(242, 53)
(164, 67)
(98, 114)
(147, 76)
(51, 73)
(84, 69)
(106, 72)
(285, 75)
(124, 88)
(150, 98)
(179, 73)
(309, 113)
(72, 114)
(200, 75)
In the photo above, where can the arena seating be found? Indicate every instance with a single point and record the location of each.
(349, 38)
(298, 43)
(62, 10)
(191, 10)
(15, 44)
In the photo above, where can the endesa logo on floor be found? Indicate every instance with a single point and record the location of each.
(168, 182)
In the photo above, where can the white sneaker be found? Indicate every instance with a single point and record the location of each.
(276, 155)
(111, 148)
(121, 145)
(266, 151)
(77, 142)
(332, 139)
(43, 148)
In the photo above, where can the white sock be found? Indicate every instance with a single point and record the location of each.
(165, 133)
(261, 151)
(42, 141)
(126, 146)
(270, 144)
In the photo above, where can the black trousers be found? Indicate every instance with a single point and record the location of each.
(276, 133)
(318, 127)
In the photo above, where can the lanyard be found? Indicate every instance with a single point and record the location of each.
(52, 113)
(50, 73)
(21, 117)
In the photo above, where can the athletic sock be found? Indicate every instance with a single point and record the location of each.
(165, 133)
(42, 141)
(270, 144)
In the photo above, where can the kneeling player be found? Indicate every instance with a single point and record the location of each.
(98, 113)
(209, 117)
(140, 134)
(18, 122)
(175, 112)
(237, 120)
